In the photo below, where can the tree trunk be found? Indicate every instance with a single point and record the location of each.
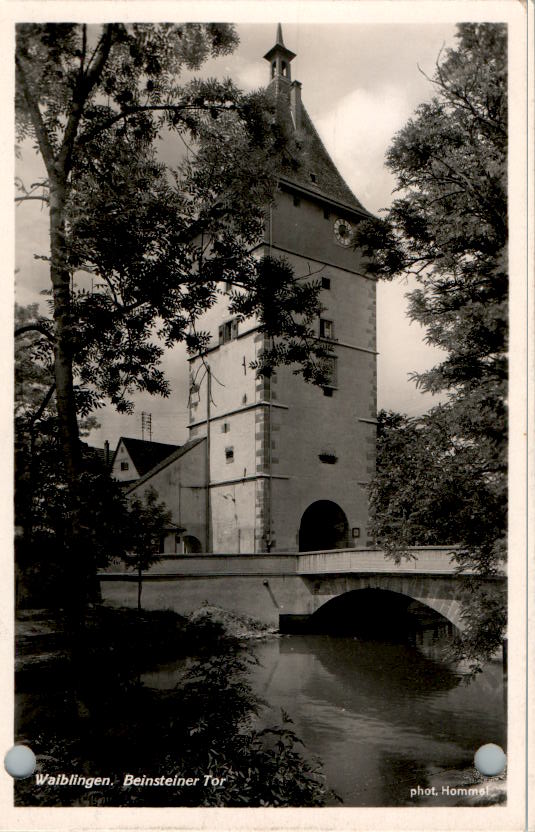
(76, 559)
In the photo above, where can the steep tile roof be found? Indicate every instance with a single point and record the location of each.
(311, 166)
(145, 455)
(172, 457)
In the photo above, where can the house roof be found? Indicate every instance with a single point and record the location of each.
(145, 455)
(89, 452)
(176, 454)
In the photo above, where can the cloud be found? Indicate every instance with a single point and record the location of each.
(358, 130)
(249, 75)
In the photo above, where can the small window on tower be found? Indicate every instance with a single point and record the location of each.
(297, 201)
(229, 454)
(313, 177)
(325, 282)
(332, 375)
(225, 427)
(326, 329)
(124, 466)
(326, 214)
(228, 331)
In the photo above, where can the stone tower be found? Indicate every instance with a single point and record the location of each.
(288, 463)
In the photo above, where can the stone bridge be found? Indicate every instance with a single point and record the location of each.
(279, 588)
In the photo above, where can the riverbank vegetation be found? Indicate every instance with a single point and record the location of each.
(88, 709)
(442, 477)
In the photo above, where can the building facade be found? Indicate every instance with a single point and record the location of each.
(286, 463)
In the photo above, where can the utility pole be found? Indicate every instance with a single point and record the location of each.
(146, 425)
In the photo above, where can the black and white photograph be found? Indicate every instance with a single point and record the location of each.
(269, 432)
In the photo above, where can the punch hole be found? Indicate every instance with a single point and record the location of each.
(20, 762)
(490, 759)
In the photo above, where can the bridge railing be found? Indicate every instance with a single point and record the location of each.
(425, 560)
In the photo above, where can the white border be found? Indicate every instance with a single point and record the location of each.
(510, 817)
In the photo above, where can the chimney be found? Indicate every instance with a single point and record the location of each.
(107, 452)
(295, 104)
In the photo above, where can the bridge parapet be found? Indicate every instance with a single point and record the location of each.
(426, 560)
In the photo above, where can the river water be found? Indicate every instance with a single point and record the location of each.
(383, 718)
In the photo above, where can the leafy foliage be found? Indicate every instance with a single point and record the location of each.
(157, 242)
(206, 724)
(432, 488)
(146, 523)
(443, 477)
(139, 251)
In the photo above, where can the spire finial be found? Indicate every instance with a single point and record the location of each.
(280, 58)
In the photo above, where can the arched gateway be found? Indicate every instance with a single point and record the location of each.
(323, 526)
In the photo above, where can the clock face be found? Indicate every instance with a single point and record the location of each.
(342, 232)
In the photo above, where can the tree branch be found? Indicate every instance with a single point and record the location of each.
(83, 88)
(41, 133)
(35, 327)
(43, 405)
(24, 198)
(145, 108)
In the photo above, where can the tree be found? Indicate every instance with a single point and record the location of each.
(41, 500)
(156, 243)
(146, 523)
(448, 231)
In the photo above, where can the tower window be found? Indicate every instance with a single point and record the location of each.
(228, 331)
(312, 177)
(325, 282)
(284, 68)
(297, 201)
(273, 68)
(225, 427)
(229, 454)
(124, 466)
(331, 373)
(326, 214)
(326, 329)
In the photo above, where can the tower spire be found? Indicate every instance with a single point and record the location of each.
(279, 58)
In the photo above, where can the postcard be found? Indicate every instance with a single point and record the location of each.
(265, 534)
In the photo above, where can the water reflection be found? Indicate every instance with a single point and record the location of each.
(383, 717)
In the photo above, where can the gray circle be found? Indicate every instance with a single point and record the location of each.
(490, 759)
(20, 762)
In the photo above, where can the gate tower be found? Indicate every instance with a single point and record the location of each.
(288, 463)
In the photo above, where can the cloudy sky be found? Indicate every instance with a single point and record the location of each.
(361, 82)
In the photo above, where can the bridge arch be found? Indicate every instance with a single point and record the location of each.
(323, 526)
(441, 595)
